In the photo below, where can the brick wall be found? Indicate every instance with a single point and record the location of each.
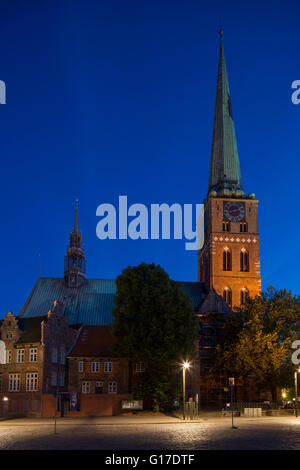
(119, 374)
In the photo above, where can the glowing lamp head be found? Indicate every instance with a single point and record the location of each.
(5, 399)
(283, 395)
(186, 365)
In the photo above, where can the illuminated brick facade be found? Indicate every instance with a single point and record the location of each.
(242, 275)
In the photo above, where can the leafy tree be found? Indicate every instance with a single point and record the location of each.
(258, 338)
(154, 322)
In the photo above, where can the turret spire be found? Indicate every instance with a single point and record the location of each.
(225, 175)
(75, 259)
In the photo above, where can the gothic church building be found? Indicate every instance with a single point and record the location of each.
(228, 262)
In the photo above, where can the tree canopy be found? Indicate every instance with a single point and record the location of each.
(258, 339)
(154, 322)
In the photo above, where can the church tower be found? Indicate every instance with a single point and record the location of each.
(75, 260)
(229, 261)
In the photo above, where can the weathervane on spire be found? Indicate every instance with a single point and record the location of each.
(76, 216)
(221, 29)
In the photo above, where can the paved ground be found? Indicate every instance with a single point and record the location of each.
(153, 432)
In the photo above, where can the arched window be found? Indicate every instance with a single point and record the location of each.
(244, 260)
(244, 295)
(226, 259)
(227, 296)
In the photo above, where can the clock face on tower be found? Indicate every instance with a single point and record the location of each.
(234, 211)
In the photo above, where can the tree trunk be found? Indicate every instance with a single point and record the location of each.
(274, 395)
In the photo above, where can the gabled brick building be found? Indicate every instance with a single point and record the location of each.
(97, 374)
(33, 361)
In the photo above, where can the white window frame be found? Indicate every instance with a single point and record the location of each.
(32, 382)
(20, 355)
(8, 356)
(33, 354)
(108, 366)
(14, 382)
(86, 387)
(95, 366)
(140, 366)
(112, 387)
(80, 366)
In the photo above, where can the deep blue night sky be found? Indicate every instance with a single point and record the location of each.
(109, 98)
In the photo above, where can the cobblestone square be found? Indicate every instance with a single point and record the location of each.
(151, 433)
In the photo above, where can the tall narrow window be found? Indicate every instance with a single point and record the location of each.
(31, 382)
(14, 382)
(20, 355)
(226, 226)
(227, 296)
(8, 356)
(33, 355)
(244, 295)
(243, 227)
(95, 367)
(244, 260)
(226, 260)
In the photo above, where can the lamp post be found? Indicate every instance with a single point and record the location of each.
(185, 366)
(5, 406)
(296, 391)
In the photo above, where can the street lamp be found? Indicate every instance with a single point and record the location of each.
(5, 406)
(296, 391)
(185, 366)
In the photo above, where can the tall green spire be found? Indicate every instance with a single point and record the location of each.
(225, 175)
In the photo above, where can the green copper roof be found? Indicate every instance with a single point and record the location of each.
(224, 164)
(91, 303)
